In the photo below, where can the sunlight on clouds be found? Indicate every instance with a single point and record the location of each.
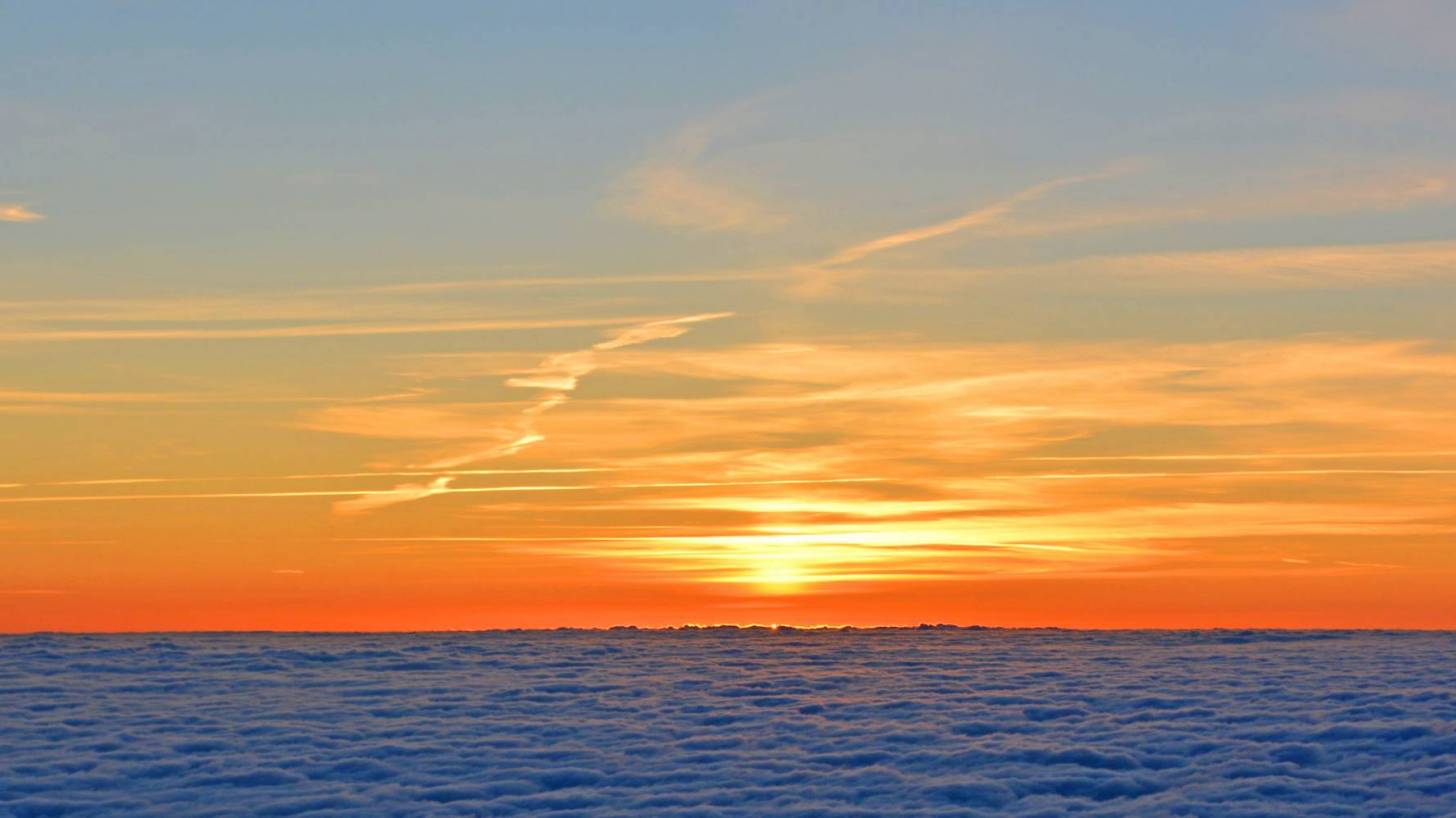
(1372, 190)
(677, 196)
(555, 378)
(888, 338)
(18, 213)
(1274, 267)
(404, 493)
(558, 375)
(677, 187)
(960, 492)
(824, 276)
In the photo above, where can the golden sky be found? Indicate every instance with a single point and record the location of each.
(460, 318)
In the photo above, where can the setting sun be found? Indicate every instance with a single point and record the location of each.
(416, 338)
(655, 409)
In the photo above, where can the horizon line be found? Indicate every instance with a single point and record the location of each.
(750, 627)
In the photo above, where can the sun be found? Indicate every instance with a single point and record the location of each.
(777, 574)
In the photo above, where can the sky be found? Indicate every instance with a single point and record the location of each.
(381, 316)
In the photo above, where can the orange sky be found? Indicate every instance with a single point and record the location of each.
(1237, 483)
(346, 337)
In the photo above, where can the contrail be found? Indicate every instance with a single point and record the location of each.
(821, 276)
(559, 374)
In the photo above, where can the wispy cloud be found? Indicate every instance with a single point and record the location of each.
(678, 187)
(809, 464)
(1272, 267)
(302, 331)
(49, 397)
(18, 213)
(403, 493)
(554, 378)
(1370, 189)
(545, 282)
(559, 374)
(388, 496)
(245, 478)
(369, 498)
(1306, 267)
(978, 475)
(1304, 195)
(822, 276)
(1267, 456)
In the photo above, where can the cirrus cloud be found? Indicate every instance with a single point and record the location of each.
(12, 212)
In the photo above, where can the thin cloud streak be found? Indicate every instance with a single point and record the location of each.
(1378, 190)
(821, 277)
(420, 302)
(559, 374)
(1227, 473)
(676, 189)
(305, 331)
(574, 281)
(426, 490)
(120, 481)
(1238, 456)
(24, 396)
(1247, 268)
(19, 214)
(404, 493)
(1276, 267)
(975, 218)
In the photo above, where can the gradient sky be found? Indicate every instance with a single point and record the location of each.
(450, 315)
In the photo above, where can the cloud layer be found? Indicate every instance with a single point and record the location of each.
(731, 723)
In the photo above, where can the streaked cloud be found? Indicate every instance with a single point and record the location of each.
(823, 465)
(403, 493)
(301, 331)
(1305, 267)
(557, 376)
(823, 276)
(1025, 215)
(554, 379)
(18, 213)
(49, 397)
(970, 344)
(970, 460)
(369, 498)
(680, 187)
(1309, 194)
(1274, 267)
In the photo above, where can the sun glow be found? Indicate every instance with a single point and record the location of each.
(776, 574)
(398, 347)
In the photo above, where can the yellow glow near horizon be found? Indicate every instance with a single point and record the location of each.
(430, 334)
